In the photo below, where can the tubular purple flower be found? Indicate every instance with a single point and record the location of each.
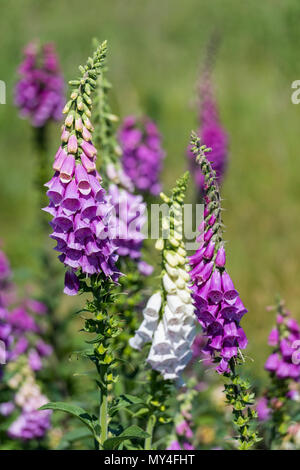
(67, 169)
(82, 180)
(230, 294)
(221, 257)
(71, 203)
(56, 190)
(60, 157)
(215, 294)
(89, 150)
(88, 164)
(71, 283)
(72, 144)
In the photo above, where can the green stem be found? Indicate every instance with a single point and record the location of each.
(149, 430)
(103, 416)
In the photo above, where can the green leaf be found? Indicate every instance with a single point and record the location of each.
(133, 432)
(124, 401)
(73, 410)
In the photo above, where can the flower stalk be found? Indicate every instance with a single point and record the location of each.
(218, 306)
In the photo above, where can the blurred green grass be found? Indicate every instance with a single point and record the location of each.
(155, 50)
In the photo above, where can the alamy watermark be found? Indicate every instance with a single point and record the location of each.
(157, 221)
(2, 92)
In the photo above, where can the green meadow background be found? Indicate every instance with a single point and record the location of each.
(155, 53)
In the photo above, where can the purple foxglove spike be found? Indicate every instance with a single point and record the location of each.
(215, 294)
(72, 144)
(272, 362)
(221, 258)
(56, 191)
(230, 294)
(142, 155)
(82, 180)
(88, 149)
(59, 159)
(88, 164)
(208, 254)
(71, 201)
(71, 283)
(67, 169)
(39, 94)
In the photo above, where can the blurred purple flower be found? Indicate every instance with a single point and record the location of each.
(142, 153)
(211, 133)
(284, 362)
(39, 94)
